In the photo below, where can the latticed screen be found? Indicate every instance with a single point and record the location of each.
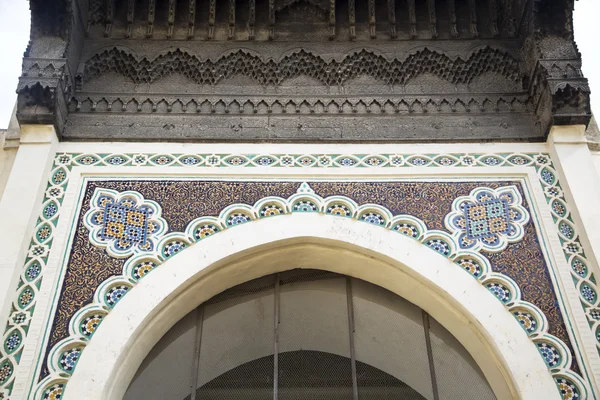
(308, 335)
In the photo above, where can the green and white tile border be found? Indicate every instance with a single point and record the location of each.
(29, 288)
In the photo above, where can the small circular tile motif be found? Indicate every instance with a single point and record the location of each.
(6, 370)
(439, 245)
(173, 247)
(588, 293)
(566, 230)
(306, 161)
(54, 392)
(90, 324)
(500, 291)
(142, 269)
(471, 266)
(568, 389)
(551, 356)
(13, 341)
(490, 160)
(527, 321)
(115, 294)
(238, 219)
(69, 359)
(373, 218)
(50, 210)
(236, 161)
(116, 160)
(518, 160)
(271, 210)
(87, 160)
(445, 161)
(373, 161)
(406, 229)
(304, 206)
(418, 161)
(339, 209)
(204, 231)
(162, 160)
(579, 267)
(59, 177)
(190, 160)
(547, 176)
(43, 233)
(559, 208)
(346, 162)
(26, 297)
(264, 161)
(33, 271)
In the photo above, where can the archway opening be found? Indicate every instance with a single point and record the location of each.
(308, 334)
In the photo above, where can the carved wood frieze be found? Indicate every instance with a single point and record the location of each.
(298, 46)
(272, 72)
(156, 104)
(266, 16)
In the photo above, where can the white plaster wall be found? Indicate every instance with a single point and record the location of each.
(596, 158)
(7, 159)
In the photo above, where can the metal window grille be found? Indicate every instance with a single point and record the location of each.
(310, 335)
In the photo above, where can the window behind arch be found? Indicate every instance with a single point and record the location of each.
(310, 335)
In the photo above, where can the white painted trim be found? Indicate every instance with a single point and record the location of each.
(581, 184)
(299, 148)
(560, 274)
(410, 269)
(23, 193)
(47, 301)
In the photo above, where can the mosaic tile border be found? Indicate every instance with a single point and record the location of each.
(64, 356)
(37, 257)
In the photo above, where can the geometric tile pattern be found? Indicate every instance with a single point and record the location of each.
(37, 255)
(124, 223)
(488, 219)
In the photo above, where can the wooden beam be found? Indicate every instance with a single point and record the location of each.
(493, 6)
(231, 33)
(432, 18)
(271, 19)
(171, 18)
(510, 18)
(392, 18)
(473, 18)
(130, 17)
(109, 17)
(352, 18)
(251, 18)
(151, 17)
(331, 19)
(372, 21)
(412, 16)
(191, 19)
(212, 11)
(452, 17)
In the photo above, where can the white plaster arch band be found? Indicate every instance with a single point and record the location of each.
(426, 267)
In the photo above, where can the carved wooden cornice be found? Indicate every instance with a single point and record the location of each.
(59, 71)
